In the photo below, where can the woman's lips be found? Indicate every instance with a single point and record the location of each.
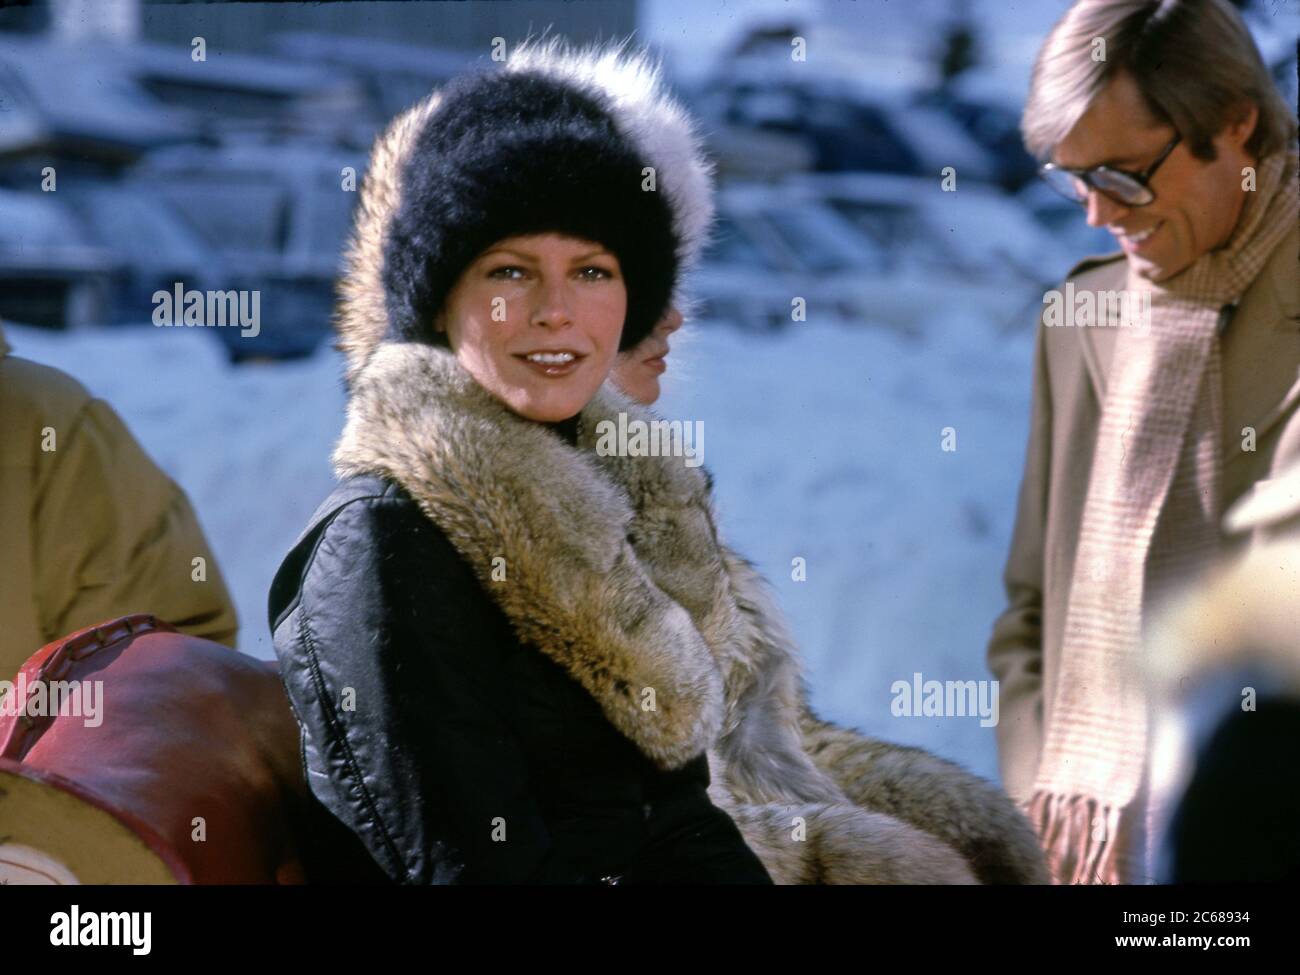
(656, 362)
(550, 368)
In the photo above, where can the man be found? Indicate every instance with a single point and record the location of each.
(1161, 120)
(90, 528)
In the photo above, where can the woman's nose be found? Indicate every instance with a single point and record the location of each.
(671, 322)
(553, 308)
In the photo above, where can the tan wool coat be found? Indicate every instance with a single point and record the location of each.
(92, 529)
(1261, 391)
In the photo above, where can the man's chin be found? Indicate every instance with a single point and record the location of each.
(1153, 271)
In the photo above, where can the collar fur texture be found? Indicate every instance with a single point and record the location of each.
(611, 563)
(614, 569)
(638, 530)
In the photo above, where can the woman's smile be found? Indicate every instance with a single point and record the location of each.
(552, 363)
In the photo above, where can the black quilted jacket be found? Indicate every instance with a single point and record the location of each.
(451, 750)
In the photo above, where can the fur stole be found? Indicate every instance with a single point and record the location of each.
(613, 567)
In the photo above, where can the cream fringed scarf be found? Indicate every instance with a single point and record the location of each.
(1150, 522)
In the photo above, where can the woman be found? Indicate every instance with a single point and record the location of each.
(514, 659)
(461, 628)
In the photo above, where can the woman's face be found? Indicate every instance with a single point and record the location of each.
(638, 369)
(536, 320)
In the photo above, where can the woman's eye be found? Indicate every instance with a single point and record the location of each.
(508, 272)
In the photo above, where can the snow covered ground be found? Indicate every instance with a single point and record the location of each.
(825, 443)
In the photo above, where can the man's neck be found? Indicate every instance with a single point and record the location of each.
(1240, 202)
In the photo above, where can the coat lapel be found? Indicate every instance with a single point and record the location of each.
(1261, 351)
(1099, 341)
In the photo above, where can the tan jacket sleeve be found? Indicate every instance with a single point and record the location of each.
(1015, 651)
(114, 535)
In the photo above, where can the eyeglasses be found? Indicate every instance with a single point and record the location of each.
(1128, 189)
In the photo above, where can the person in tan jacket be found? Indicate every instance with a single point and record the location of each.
(1170, 161)
(90, 528)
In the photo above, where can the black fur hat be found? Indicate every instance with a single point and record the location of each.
(585, 143)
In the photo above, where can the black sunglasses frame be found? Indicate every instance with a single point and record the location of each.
(1085, 176)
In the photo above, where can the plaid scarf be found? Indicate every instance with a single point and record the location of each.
(1150, 524)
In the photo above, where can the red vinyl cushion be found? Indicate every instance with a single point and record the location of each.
(192, 732)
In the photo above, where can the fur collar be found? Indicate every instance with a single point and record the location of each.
(612, 566)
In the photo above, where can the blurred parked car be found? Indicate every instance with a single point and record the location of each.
(975, 245)
(391, 76)
(845, 127)
(889, 251)
(744, 279)
(100, 105)
(51, 273)
(277, 215)
(990, 116)
(232, 93)
(155, 247)
(62, 101)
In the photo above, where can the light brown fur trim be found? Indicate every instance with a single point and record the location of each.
(615, 571)
(361, 318)
(501, 486)
(786, 752)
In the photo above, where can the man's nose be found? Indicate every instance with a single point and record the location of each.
(1102, 210)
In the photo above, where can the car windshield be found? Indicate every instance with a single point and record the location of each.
(891, 226)
(329, 216)
(809, 241)
(136, 227)
(237, 215)
(730, 245)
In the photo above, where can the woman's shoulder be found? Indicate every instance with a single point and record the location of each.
(368, 490)
(370, 531)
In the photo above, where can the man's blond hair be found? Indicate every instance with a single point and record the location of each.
(1193, 60)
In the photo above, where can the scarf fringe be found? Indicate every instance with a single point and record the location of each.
(1067, 827)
